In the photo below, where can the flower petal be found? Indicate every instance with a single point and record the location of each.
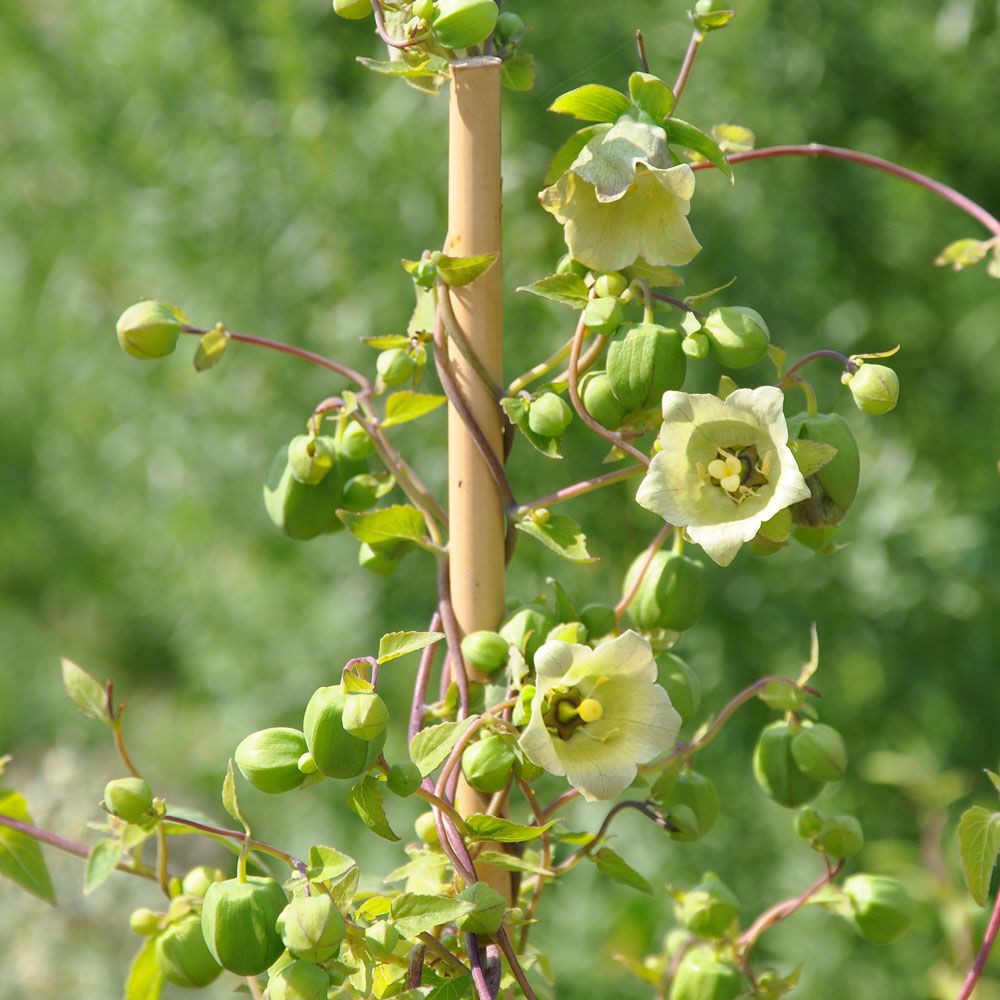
(553, 660)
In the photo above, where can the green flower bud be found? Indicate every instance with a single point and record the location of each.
(682, 684)
(307, 765)
(485, 651)
(702, 976)
(299, 981)
(488, 764)
(603, 316)
(598, 620)
(238, 921)
(460, 24)
(197, 881)
(709, 909)
(403, 779)
(183, 956)
(269, 759)
(353, 10)
(395, 366)
(840, 837)
(310, 459)
(355, 443)
(645, 360)
(696, 345)
(840, 476)
(672, 595)
(611, 284)
(600, 402)
(311, 928)
(145, 921)
(130, 799)
(882, 910)
(694, 792)
(808, 823)
(366, 715)
(549, 415)
(527, 628)
(567, 265)
(426, 828)
(875, 388)
(510, 28)
(425, 274)
(776, 770)
(337, 753)
(149, 330)
(487, 917)
(737, 336)
(821, 539)
(820, 752)
(300, 510)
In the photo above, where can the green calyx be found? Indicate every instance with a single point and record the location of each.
(527, 628)
(600, 401)
(426, 828)
(881, 908)
(395, 366)
(183, 957)
(488, 764)
(510, 28)
(604, 315)
(149, 330)
(737, 336)
(835, 484)
(693, 806)
(549, 415)
(299, 981)
(598, 620)
(366, 715)
(702, 976)
(460, 24)
(485, 651)
(776, 770)
(355, 443)
(311, 928)
(238, 920)
(269, 759)
(612, 284)
(875, 388)
(840, 837)
(709, 909)
(311, 458)
(130, 799)
(403, 779)
(820, 752)
(197, 881)
(672, 595)
(336, 752)
(681, 683)
(645, 360)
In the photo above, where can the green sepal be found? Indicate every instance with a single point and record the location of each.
(565, 156)
(651, 94)
(592, 103)
(459, 271)
(566, 289)
(682, 133)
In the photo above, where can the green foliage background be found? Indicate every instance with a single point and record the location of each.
(232, 158)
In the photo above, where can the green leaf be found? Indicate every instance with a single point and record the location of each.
(458, 271)
(558, 532)
(424, 312)
(519, 73)
(684, 134)
(327, 864)
(495, 830)
(979, 845)
(396, 644)
(424, 874)
(592, 103)
(230, 799)
(992, 775)
(710, 20)
(512, 863)
(696, 300)
(86, 692)
(374, 907)
(145, 981)
(365, 798)
(811, 456)
(961, 254)
(414, 915)
(565, 156)
(431, 66)
(651, 94)
(455, 989)
(101, 862)
(402, 407)
(566, 289)
(211, 347)
(430, 748)
(615, 866)
(21, 857)
(387, 525)
(386, 342)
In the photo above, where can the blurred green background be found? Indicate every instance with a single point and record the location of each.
(232, 158)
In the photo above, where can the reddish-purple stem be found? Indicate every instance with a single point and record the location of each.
(682, 77)
(422, 682)
(587, 486)
(453, 635)
(984, 953)
(848, 364)
(383, 32)
(654, 546)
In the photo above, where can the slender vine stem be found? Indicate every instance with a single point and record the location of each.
(446, 807)
(445, 954)
(984, 953)
(542, 368)
(422, 682)
(383, 32)
(254, 987)
(654, 546)
(545, 860)
(848, 364)
(587, 849)
(453, 634)
(456, 334)
(254, 845)
(580, 489)
(503, 939)
(682, 77)
(478, 972)
(678, 303)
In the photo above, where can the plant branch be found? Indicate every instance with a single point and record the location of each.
(422, 682)
(679, 303)
(446, 954)
(984, 953)
(383, 32)
(654, 546)
(456, 334)
(503, 939)
(682, 77)
(453, 634)
(580, 489)
(848, 364)
(240, 835)
(479, 980)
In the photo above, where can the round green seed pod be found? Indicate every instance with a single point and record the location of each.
(460, 24)
(672, 595)
(488, 764)
(299, 981)
(776, 771)
(822, 539)
(737, 336)
(598, 620)
(149, 330)
(403, 779)
(702, 976)
(549, 415)
(567, 265)
(269, 759)
(238, 920)
(145, 921)
(840, 837)
(485, 651)
(681, 683)
(600, 402)
(183, 956)
(426, 828)
(820, 752)
(337, 753)
(808, 823)
(709, 909)
(366, 715)
(645, 360)
(694, 792)
(611, 284)
(603, 316)
(875, 388)
(882, 909)
(130, 799)
(696, 346)
(360, 493)
(197, 881)
(510, 28)
(311, 458)
(838, 479)
(355, 443)
(353, 10)
(489, 911)
(311, 928)
(395, 366)
(302, 511)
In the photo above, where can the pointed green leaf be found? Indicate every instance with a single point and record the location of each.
(145, 981)
(86, 692)
(374, 908)
(682, 133)
(493, 829)
(327, 864)
(402, 407)
(430, 748)
(424, 313)
(615, 866)
(21, 857)
(651, 94)
(396, 644)
(458, 271)
(961, 254)
(430, 66)
(558, 532)
(811, 456)
(512, 863)
(696, 300)
(387, 524)
(592, 103)
(211, 347)
(230, 799)
(710, 20)
(101, 862)
(519, 73)
(414, 915)
(565, 156)
(994, 777)
(365, 798)
(454, 989)
(566, 289)
(386, 342)
(979, 845)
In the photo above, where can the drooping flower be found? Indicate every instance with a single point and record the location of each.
(598, 713)
(622, 199)
(724, 467)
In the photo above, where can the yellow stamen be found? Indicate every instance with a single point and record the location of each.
(590, 710)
